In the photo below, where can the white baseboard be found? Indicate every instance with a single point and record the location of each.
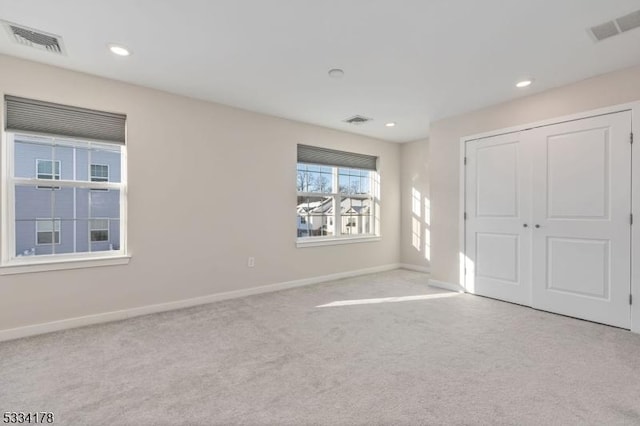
(446, 285)
(416, 268)
(48, 327)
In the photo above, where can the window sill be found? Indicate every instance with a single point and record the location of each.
(331, 241)
(44, 265)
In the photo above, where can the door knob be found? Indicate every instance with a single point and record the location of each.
(537, 226)
(525, 226)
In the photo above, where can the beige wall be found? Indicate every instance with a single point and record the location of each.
(605, 90)
(201, 177)
(414, 177)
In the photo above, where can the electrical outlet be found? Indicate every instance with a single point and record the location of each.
(251, 262)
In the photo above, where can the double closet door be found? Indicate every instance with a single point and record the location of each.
(548, 218)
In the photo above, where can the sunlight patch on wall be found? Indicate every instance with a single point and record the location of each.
(427, 243)
(427, 211)
(416, 232)
(427, 229)
(467, 279)
(415, 197)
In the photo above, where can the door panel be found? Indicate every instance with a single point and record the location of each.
(497, 180)
(497, 243)
(497, 256)
(591, 279)
(582, 190)
(581, 193)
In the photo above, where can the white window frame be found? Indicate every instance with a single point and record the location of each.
(374, 196)
(10, 262)
(91, 229)
(56, 221)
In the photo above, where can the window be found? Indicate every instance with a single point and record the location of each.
(337, 196)
(48, 169)
(47, 231)
(99, 230)
(99, 173)
(81, 217)
(45, 169)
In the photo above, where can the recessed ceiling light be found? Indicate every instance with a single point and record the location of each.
(119, 50)
(524, 83)
(390, 124)
(336, 73)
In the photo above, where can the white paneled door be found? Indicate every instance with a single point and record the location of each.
(498, 216)
(581, 212)
(548, 218)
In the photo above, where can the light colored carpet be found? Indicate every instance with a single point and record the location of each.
(279, 359)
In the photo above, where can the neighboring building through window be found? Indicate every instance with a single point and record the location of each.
(86, 202)
(336, 201)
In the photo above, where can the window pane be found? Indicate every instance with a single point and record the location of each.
(102, 204)
(44, 167)
(311, 178)
(99, 235)
(93, 225)
(107, 159)
(353, 181)
(27, 150)
(99, 173)
(35, 237)
(47, 225)
(314, 216)
(356, 216)
(73, 159)
(99, 224)
(63, 156)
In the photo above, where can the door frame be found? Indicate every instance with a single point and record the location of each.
(634, 107)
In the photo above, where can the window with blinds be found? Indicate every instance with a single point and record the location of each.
(82, 216)
(337, 195)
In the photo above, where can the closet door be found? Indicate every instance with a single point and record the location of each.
(497, 227)
(581, 211)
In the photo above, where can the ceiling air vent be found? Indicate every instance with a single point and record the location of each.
(629, 22)
(615, 27)
(357, 120)
(34, 38)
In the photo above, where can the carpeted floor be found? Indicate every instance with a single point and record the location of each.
(280, 359)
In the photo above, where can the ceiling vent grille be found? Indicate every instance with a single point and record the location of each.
(617, 26)
(357, 120)
(629, 22)
(34, 38)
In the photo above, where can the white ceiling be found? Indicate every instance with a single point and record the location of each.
(408, 61)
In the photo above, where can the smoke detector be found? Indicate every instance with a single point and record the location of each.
(615, 27)
(357, 120)
(34, 38)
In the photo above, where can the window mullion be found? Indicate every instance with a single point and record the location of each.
(337, 217)
(53, 197)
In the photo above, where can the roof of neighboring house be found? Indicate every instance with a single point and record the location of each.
(326, 206)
